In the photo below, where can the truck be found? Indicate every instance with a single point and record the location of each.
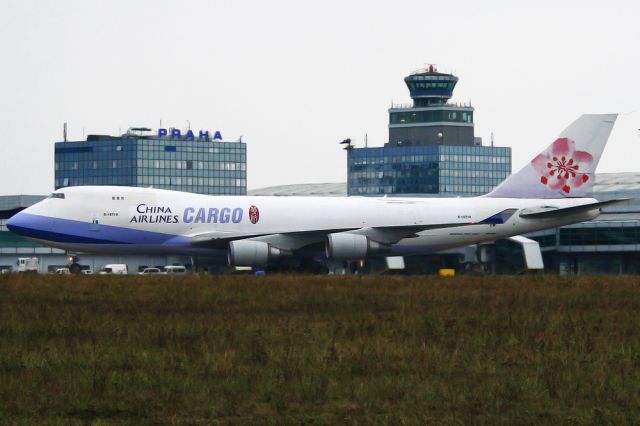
(114, 268)
(28, 264)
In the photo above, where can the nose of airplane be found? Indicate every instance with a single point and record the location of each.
(19, 223)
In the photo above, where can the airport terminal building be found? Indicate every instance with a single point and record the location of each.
(608, 244)
(432, 151)
(199, 162)
(432, 148)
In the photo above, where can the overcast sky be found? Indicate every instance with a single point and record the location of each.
(294, 78)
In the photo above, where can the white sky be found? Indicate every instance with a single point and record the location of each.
(295, 78)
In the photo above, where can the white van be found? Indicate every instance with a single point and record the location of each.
(114, 268)
(175, 270)
(150, 271)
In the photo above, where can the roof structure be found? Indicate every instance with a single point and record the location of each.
(12, 201)
(605, 182)
(304, 189)
(11, 204)
(617, 182)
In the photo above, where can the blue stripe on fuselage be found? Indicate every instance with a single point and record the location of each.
(74, 231)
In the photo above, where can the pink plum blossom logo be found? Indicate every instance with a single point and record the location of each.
(562, 166)
(254, 214)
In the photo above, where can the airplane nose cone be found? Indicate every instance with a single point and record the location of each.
(25, 224)
(17, 223)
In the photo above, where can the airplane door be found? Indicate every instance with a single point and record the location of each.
(94, 226)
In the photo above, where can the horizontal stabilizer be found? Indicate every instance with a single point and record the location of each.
(549, 213)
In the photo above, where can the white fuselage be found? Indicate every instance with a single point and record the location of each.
(107, 219)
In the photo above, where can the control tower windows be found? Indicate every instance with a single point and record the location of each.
(431, 85)
(437, 116)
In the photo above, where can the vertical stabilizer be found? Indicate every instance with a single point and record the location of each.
(567, 167)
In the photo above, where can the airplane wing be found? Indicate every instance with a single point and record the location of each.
(294, 240)
(297, 239)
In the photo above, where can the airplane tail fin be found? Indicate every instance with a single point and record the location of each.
(567, 167)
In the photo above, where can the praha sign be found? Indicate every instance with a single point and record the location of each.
(203, 135)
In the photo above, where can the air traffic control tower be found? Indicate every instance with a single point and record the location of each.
(431, 147)
(431, 119)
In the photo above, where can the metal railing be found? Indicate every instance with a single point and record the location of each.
(448, 104)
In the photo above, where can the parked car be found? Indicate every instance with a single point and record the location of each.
(175, 270)
(151, 271)
(87, 272)
(63, 271)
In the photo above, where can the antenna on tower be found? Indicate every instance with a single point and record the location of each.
(64, 132)
(491, 139)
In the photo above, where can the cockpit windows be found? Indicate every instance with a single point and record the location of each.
(56, 195)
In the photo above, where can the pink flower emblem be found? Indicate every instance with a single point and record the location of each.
(561, 165)
(254, 214)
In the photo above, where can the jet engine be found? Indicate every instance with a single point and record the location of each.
(345, 246)
(253, 253)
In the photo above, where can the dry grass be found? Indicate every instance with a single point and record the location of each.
(319, 350)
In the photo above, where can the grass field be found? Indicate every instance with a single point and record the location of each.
(319, 350)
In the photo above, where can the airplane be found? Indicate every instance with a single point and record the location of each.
(548, 192)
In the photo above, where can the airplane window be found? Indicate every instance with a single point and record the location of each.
(56, 195)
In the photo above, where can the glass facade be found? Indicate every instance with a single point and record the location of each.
(428, 86)
(196, 166)
(603, 236)
(545, 240)
(429, 169)
(12, 241)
